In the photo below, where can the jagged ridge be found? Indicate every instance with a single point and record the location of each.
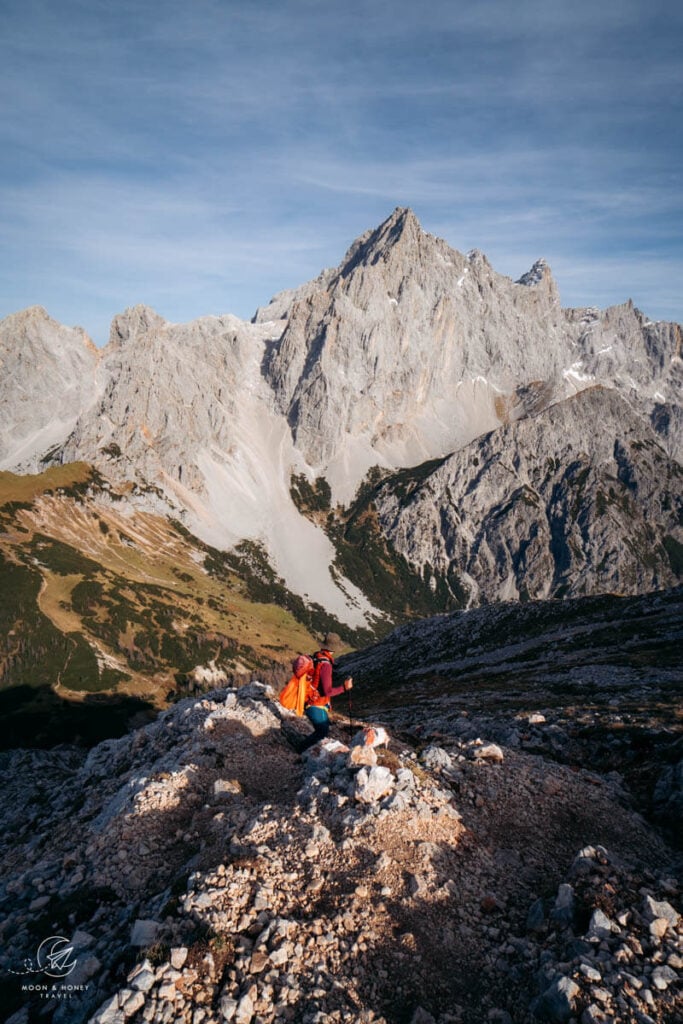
(406, 352)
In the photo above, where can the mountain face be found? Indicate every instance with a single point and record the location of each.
(48, 379)
(184, 409)
(407, 352)
(545, 507)
(410, 350)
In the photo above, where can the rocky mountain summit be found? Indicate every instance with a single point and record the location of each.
(407, 352)
(195, 872)
(410, 350)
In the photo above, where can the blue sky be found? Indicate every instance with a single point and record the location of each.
(200, 155)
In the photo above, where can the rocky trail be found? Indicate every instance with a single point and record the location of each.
(201, 872)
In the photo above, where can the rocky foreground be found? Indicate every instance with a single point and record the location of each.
(202, 873)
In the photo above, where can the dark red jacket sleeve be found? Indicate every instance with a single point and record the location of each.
(325, 687)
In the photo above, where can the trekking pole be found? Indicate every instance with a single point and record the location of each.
(348, 697)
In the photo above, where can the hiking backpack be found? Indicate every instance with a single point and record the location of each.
(294, 694)
(302, 688)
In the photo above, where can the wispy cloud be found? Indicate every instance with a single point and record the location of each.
(201, 156)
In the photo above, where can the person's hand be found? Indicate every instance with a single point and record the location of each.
(348, 683)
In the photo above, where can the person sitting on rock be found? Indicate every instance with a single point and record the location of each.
(318, 704)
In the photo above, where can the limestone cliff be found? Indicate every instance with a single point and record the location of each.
(579, 499)
(47, 379)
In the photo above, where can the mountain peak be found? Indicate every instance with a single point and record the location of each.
(401, 225)
(540, 276)
(403, 217)
(402, 228)
(25, 317)
(133, 322)
(539, 272)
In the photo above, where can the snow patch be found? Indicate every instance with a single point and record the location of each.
(574, 375)
(486, 382)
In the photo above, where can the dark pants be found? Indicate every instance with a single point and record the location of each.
(320, 721)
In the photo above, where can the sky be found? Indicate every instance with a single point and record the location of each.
(199, 156)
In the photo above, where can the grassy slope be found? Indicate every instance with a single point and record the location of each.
(95, 599)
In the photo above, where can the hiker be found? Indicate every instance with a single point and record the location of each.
(320, 695)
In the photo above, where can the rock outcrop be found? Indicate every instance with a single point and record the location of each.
(192, 871)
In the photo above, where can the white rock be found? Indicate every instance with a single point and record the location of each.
(601, 927)
(132, 1003)
(143, 980)
(109, 1012)
(658, 928)
(227, 1008)
(663, 976)
(489, 752)
(372, 784)
(652, 909)
(371, 736)
(144, 932)
(178, 956)
(226, 787)
(244, 1010)
(436, 757)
